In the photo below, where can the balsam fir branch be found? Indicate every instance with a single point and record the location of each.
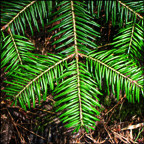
(75, 72)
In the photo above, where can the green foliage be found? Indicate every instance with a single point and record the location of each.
(79, 73)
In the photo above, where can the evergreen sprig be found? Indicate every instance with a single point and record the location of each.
(75, 74)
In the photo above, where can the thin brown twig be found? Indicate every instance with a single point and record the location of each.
(104, 45)
(120, 137)
(109, 118)
(90, 138)
(82, 136)
(120, 101)
(108, 134)
(28, 123)
(46, 111)
(21, 138)
(50, 99)
(31, 131)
